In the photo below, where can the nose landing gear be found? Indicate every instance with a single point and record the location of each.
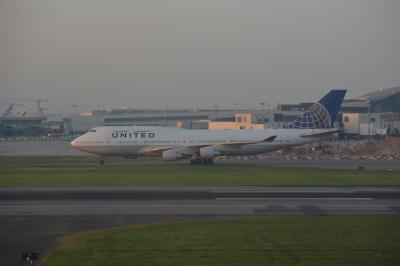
(195, 161)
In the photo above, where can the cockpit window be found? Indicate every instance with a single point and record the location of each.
(92, 130)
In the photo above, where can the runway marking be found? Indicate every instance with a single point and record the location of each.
(275, 191)
(394, 208)
(106, 189)
(131, 205)
(312, 210)
(271, 210)
(295, 198)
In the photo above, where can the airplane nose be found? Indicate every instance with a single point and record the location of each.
(73, 143)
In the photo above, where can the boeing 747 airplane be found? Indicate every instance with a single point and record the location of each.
(201, 146)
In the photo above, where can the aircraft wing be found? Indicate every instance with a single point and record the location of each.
(155, 149)
(160, 149)
(269, 139)
(238, 145)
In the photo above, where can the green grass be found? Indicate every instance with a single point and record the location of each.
(273, 241)
(77, 171)
(28, 161)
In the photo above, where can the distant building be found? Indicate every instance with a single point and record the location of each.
(370, 124)
(354, 106)
(160, 119)
(184, 118)
(21, 125)
(382, 101)
(239, 121)
(375, 113)
(383, 107)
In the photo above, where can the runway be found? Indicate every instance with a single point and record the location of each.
(32, 218)
(321, 164)
(205, 201)
(63, 148)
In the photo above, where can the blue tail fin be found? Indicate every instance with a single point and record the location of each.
(321, 114)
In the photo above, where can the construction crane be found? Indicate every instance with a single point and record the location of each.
(10, 107)
(38, 103)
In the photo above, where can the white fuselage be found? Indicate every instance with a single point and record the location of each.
(176, 143)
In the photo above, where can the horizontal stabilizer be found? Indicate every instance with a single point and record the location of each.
(321, 134)
(270, 139)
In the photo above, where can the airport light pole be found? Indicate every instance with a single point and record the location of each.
(216, 111)
(166, 116)
(264, 104)
(369, 119)
(74, 106)
(30, 256)
(236, 106)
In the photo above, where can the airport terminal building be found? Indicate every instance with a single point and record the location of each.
(376, 113)
(181, 118)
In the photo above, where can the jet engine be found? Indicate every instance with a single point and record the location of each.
(209, 152)
(176, 154)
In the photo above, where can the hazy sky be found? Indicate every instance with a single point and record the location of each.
(97, 53)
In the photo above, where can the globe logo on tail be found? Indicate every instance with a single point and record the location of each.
(321, 114)
(315, 117)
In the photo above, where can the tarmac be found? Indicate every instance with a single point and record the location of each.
(32, 218)
(321, 164)
(63, 148)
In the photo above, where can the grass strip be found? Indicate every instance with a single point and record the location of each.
(139, 175)
(272, 241)
(83, 171)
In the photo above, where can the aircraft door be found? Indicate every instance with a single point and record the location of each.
(190, 140)
(108, 140)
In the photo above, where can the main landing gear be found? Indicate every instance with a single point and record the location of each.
(101, 162)
(208, 161)
(201, 161)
